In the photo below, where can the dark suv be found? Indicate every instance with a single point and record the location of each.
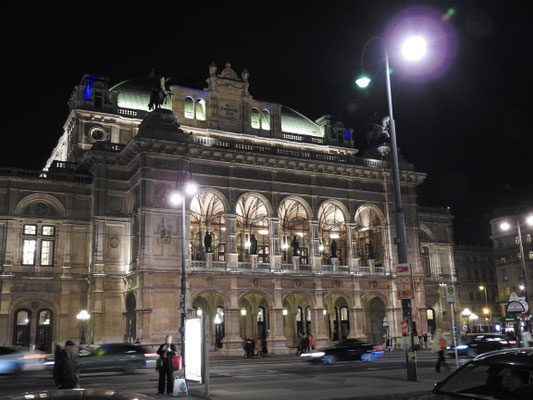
(481, 343)
(115, 357)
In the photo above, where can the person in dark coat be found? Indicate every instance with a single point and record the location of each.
(305, 344)
(66, 368)
(166, 352)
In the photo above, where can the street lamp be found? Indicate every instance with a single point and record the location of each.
(413, 49)
(184, 187)
(83, 316)
(505, 226)
(466, 313)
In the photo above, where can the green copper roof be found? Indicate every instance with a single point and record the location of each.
(294, 122)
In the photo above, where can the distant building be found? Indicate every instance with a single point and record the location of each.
(477, 287)
(95, 229)
(507, 258)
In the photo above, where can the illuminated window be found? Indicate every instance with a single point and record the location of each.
(429, 314)
(516, 240)
(45, 317)
(23, 317)
(189, 108)
(48, 230)
(47, 252)
(344, 313)
(30, 229)
(265, 120)
(28, 251)
(200, 109)
(256, 124)
(528, 238)
(531, 254)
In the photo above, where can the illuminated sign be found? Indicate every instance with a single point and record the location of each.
(193, 349)
(404, 281)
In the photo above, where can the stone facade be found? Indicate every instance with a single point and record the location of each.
(264, 172)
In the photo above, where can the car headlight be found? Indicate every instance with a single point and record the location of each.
(462, 347)
(313, 355)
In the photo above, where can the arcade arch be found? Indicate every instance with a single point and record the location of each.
(294, 214)
(369, 234)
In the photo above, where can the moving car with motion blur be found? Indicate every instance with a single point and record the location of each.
(475, 345)
(17, 359)
(503, 374)
(345, 350)
(116, 357)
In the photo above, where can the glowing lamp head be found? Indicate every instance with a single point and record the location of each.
(481, 287)
(414, 48)
(529, 220)
(191, 189)
(505, 226)
(175, 198)
(486, 311)
(522, 287)
(363, 81)
(321, 247)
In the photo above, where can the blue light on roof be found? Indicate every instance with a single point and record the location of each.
(347, 134)
(88, 90)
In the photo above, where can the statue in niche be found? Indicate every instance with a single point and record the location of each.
(295, 246)
(253, 244)
(333, 249)
(370, 251)
(207, 242)
(159, 94)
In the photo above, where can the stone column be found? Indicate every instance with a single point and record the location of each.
(351, 240)
(275, 249)
(231, 242)
(209, 261)
(254, 261)
(295, 263)
(372, 265)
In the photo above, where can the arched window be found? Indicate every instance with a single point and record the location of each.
(426, 263)
(200, 109)
(294, 226)
(255, 122)
(252, 216)
(332, 230)
(369, 234)
(207, 214)
(189, 107)
(265, 120)
(21, 328)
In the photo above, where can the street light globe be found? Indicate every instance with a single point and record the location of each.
(481, 287)
(363, 81)
(414, 48)
(175, 198)
(466, 312)
(486, 311)
(504, 226)
(83, 315)
(529, 220)
(474, 316)
(522, 287)
(191, 189)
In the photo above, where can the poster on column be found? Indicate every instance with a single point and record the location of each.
(404, 282)
(193, 349)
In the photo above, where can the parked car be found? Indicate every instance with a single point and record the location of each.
(16, 359)
(115, 357)
(78, 394)
(503, 374)
(474, 345)
(348, 349)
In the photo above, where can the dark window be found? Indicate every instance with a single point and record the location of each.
(98, 99)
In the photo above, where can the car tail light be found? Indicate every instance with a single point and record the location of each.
(35, 356)
(151, 355)
(512, 341)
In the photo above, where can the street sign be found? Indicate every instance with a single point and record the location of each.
(517, 307)
(450, 294)
(404, 281)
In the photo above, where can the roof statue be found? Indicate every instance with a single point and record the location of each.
(159, 94)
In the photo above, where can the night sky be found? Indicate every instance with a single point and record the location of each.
(468, 128)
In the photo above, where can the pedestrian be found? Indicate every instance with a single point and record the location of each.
(299, 345)
(164, 365)
(416, 342)
(259, 347)
(312, 342)
(439, 345)
(248, 348)
(305, 344)
(425, 340)
(66, 367)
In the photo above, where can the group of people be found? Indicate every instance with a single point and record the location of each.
(254, 347)
(305, 343)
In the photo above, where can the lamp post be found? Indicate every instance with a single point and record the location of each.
(413, 49)
(83, 316)
(184, 187)
(505, 226)
(484, 289)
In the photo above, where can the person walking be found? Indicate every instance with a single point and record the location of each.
(312, 342)
(305, 344)
(299, 346)
(166, 352)
(249, 347)
(439, 345)
(259, 347)
(66, 367)
(425, 340)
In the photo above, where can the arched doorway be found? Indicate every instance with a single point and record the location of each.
(374, 310)
(432, 322)
(337, 317)
(295, 321)
(212, 306)
(21, 327)
(43, 335)
(131, 318)
(255, 315)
